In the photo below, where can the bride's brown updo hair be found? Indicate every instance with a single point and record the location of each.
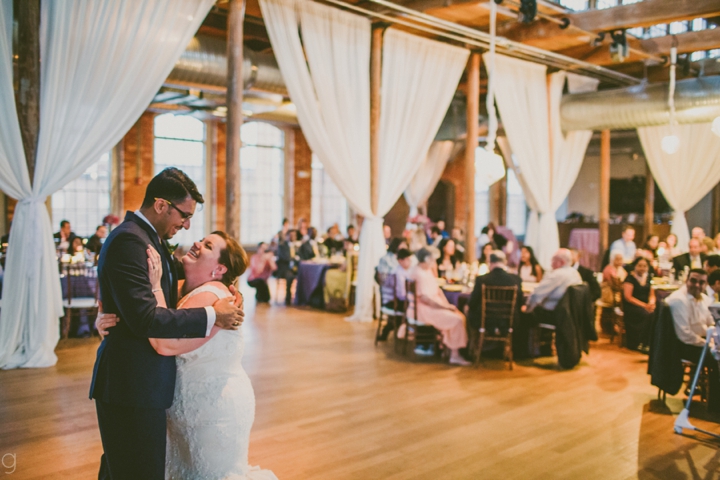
(234, 257)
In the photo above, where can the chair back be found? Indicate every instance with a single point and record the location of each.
(498, 303)
(411, 303)
(80, 281)
(388, 288)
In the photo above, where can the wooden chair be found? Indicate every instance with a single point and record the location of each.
(394, 312)
(79, 300)
(499, 303)
(415, 330)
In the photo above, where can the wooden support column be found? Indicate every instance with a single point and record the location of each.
(604, 191)
(234, 98)
(375, 88)
(649, 203)
(715, 224)
(471, 142)
(27, 96)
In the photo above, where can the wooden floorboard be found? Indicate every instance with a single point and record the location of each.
(332, 406)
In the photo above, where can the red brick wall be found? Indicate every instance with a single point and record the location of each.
(218, 170)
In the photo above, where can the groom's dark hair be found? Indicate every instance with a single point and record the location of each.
(173, 185)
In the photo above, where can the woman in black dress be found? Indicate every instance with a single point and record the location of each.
(638, 305)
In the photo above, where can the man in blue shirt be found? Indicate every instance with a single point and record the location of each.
(625, 244)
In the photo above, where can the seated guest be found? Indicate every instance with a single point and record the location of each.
(529, 269)
(95, 242)
(435, 237)
(646, 254)
(638, 305)
(459, 239)
(613, 277)
(333, 240)
(302, 229)
(77, 247)
(262, 265)
(625, 244)
(693, 259)
(697, 233)
(387, 233)
(352, 235)
(394, 287)
(287, 262)
(497, 277)
(587, 275)
(651, 244)
(672, 247)
(64, 238)
(714, 284)
(448, 260)
(716, 250)
(441, 226)
(309, 248)
(483, 266)
(554, 283)
(691, 318)
(707, 246)
(711, 264)
(434, 309)
(389, 261)
(489, 235)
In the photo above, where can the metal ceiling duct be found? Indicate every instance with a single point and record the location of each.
(697, 100)
(203, 65)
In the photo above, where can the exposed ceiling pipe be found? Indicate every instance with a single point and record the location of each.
(203, 66)
(697, 100)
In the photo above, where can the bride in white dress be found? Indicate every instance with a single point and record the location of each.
(214, 405)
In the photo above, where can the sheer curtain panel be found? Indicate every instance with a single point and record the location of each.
(529, 104)
(327, 53)
(427, 177)
(102, 63)
(686, 176)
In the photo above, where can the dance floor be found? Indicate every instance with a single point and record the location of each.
(332, 406)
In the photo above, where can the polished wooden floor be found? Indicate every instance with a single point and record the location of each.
(332, 406)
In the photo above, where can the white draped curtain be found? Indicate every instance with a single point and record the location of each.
(327, 54)
(686, 176)
(529, 104)
(102, 63)
(427, 177)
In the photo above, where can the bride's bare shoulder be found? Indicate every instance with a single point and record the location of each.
(206, 296)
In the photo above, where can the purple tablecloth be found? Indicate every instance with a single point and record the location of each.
(82, 286)
(587, 242)
(459, 299)
(310, 280)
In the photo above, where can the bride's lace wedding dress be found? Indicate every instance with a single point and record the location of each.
(213, 410)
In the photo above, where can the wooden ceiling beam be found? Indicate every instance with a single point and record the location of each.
(642, 14)
(687, 43)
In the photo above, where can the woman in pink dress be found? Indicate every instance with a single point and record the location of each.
(434, 309)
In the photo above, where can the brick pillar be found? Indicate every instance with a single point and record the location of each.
(218, 176)
(138, 161)
(302, 178)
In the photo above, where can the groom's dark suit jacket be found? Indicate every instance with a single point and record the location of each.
(127, 369)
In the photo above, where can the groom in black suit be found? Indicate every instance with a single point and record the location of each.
(132, 384)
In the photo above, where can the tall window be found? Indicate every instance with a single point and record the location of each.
(516, 208)
(85, 201)
(180, 143)
(328, 204)
(262, 181)
(482, 204)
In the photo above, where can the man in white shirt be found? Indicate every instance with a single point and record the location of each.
(691, 318)
(554, 284)
(626, 245)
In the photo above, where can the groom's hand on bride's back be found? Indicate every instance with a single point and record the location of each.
(228, 316)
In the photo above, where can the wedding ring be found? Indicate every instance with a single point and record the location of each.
(236, 324)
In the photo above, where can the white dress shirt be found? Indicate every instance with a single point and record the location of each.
(552, 287)
(211, 316)
(691, 316)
